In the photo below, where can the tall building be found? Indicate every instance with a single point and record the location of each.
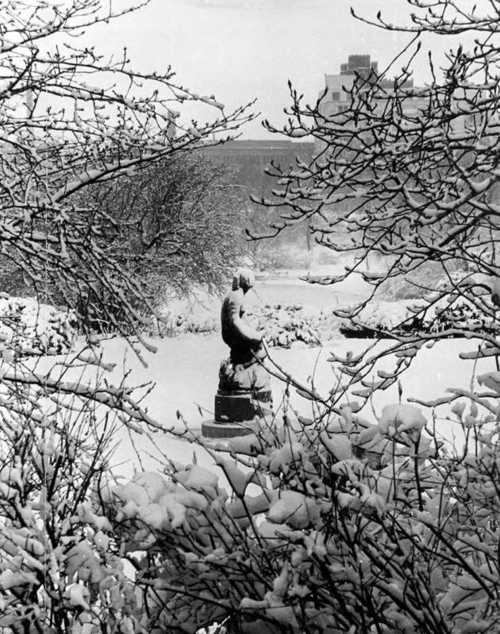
(335, 97)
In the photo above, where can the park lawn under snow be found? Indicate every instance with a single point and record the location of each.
(185, 372)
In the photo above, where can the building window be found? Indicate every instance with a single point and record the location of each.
(335, 96)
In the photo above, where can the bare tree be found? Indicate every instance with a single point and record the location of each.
(174, 225)
(410, 174)
(72, 119)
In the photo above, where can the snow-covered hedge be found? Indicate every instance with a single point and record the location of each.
(348, 525)
(281, 324)
(330, 525)
(28, 327)
(383, 318)
(379, 317)
(284, 324)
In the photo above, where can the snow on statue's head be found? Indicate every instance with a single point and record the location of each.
(244, 279)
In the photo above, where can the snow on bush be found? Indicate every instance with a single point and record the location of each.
(381, 315)
(60, 570)
(198, 313)
(284, 324)
(381, 318)
(342, 525)
(30, 328)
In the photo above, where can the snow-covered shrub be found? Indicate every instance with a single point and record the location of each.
(28, 327)
(281, 324)
(344, 525)
(284, 325)
(197, 312)
(60, 569)
(462, 315)
(383, 318)
(173, 323)
(328, 525)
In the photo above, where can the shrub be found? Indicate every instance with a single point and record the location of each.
(281, 324)
(334, 524)
(28, 327)
(389, 319)
(60, 570)
(327, 527)
(284, 325)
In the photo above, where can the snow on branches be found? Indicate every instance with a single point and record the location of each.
(72, 118)
(408, 176)
(344, 525)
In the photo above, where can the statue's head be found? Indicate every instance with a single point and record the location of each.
(244, 279)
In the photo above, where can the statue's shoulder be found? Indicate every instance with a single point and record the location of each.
(233, 297)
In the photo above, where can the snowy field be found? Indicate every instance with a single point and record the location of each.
(185, 373)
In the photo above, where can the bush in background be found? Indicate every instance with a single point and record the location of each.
(175, 225)
(30, 328)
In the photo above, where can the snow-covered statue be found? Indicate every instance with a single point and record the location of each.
(244, 391)
(244, 341)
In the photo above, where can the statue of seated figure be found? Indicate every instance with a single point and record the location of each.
(244, 395)
(245, 342)
(242, 371)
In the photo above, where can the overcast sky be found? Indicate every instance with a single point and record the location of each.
(239, 50)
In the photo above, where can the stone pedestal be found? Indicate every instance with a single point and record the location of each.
(244, 396)
(241, 407)
(211, 429)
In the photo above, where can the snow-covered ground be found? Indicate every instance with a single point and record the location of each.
(185, 371)
(292, 290)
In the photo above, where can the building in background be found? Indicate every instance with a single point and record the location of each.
(334, 104)
(335, 97)
(247, 161)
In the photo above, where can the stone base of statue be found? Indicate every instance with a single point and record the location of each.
(242, 401)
